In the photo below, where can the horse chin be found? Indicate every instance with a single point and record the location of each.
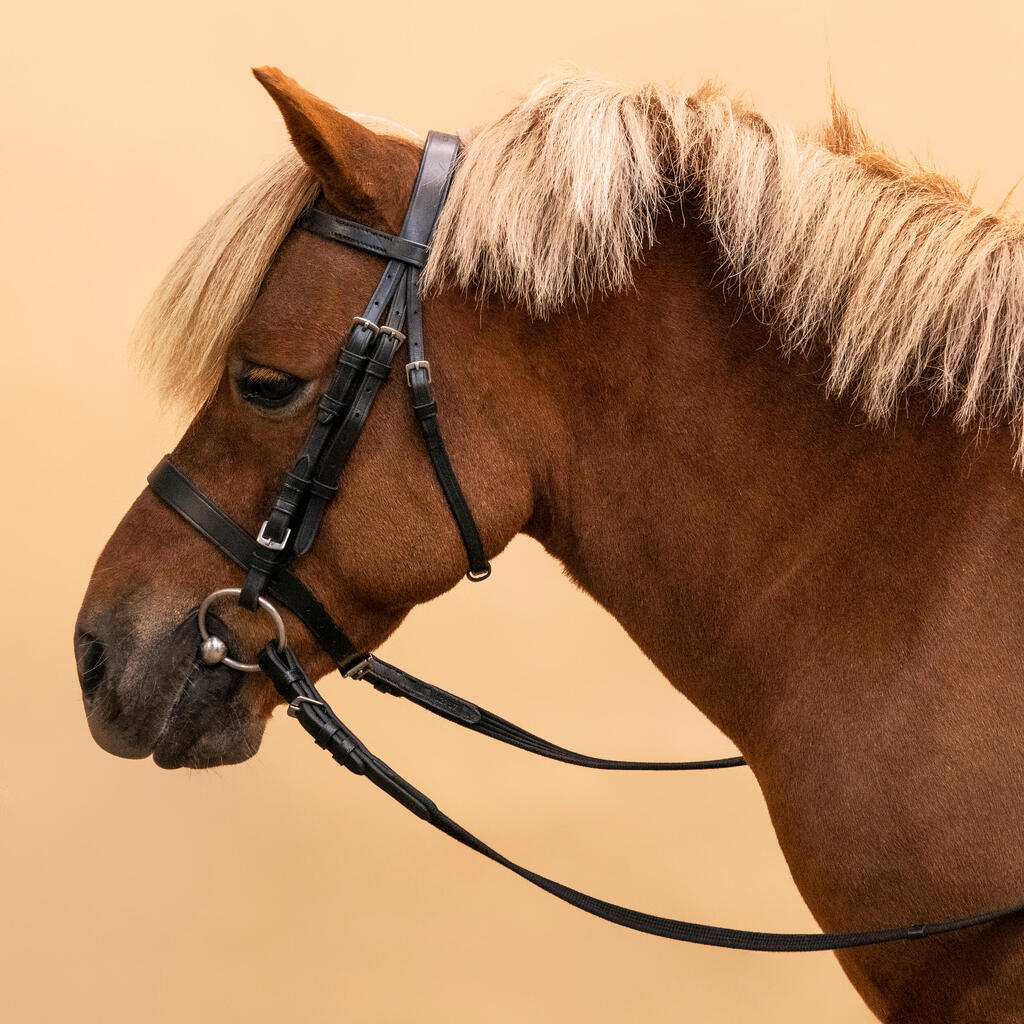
(211, 723)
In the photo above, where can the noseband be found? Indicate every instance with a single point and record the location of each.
(393, 317)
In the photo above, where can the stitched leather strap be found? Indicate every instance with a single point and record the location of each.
(398, 683)
(341, 445)
(425, 409)
(328, 731)
(380, 243)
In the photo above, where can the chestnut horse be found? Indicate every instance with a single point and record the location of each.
(720, 371)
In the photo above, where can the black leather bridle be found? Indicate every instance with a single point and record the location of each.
(394, 317)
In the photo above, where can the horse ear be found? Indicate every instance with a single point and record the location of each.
(341, 152)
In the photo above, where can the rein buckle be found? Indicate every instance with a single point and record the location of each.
(293, 708)
(360, 668)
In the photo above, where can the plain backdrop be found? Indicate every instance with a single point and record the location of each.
(284, 889)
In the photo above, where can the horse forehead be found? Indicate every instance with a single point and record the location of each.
(307, 274)
(306, 303)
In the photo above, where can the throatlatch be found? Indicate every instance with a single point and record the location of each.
(392, 318)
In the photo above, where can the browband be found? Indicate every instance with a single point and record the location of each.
(348, 232)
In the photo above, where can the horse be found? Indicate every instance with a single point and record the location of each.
(759, 391)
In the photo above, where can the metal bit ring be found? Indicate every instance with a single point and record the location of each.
(214, 650)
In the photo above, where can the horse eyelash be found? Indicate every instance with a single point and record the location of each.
(267, 373)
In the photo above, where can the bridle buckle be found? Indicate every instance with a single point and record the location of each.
(272, 545)
(395, 333)
(362, 321)
(420, 364)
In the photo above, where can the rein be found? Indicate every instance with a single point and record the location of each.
(393, 317)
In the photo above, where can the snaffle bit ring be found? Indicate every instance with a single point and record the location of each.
(213, 650)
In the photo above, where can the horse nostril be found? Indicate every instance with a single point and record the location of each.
(92, 661)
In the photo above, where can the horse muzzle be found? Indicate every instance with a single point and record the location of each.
(158, 697)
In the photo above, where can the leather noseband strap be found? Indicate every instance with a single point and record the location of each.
(175, 489)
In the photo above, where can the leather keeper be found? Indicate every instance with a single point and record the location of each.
(346, 357)
(375, 368)
(328, 408)
(426, 411)
(322, 490)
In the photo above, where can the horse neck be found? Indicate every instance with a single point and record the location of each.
(758, 540)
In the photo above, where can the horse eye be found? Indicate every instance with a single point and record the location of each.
(268, 388)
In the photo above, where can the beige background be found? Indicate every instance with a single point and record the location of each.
(283, 889)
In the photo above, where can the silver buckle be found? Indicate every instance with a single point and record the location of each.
(293, 708)
(272, 545)
(393, 331)
(420, 364)
(361, 321)
(360, 668)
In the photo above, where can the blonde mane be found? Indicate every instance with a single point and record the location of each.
(885, 264)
